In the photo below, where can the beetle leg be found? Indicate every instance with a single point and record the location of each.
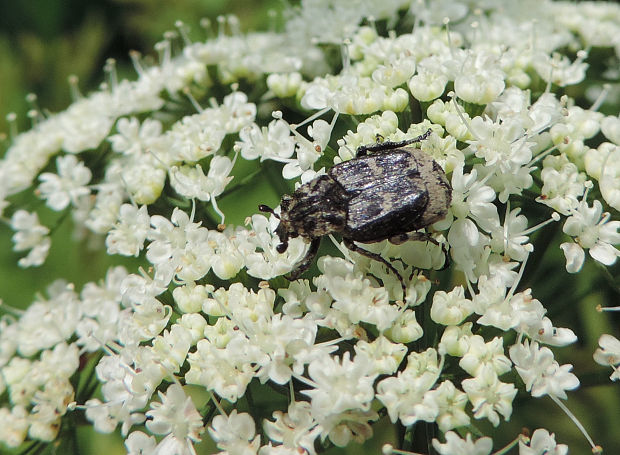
(306, 262)
(389, 145)
(421, 237)
(369, 254)
(415, 236)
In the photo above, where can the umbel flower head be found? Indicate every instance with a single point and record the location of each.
(434, 323)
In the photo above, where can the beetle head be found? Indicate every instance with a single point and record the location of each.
(282, 231)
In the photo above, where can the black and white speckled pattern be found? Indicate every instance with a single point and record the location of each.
(387, 193)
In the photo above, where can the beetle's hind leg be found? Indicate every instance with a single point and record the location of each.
(306, 262)
(421, 237)
(369, 254)
(389, 145)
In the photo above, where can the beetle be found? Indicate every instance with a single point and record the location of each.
(388, 191)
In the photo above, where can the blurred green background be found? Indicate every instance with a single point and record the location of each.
(42, 42)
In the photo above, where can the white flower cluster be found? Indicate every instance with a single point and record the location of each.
(347, 345)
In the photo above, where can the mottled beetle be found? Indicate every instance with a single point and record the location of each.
(387, 192)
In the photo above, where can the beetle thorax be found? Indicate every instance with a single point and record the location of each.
(315, 209)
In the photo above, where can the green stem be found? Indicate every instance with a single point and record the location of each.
(246, 180)
(510, 445)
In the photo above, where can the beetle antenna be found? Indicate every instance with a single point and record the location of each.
(266, 209)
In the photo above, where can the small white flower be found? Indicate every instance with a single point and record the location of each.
(542, 330)
(446, 114)
(603, 164)
(273, 142)
(144, 181)
(179, 247)
(481, 354)
(610, 127)
(294, 429)
(455, 340)
(427, 85)
(135, 139)
(340, 385)
(139, 443)
(294, 297)
(489, 396)
(563, 184)
(355, 295)
(197, 136)
(510, 238)
(60, 362)
(259, 248)
(472, 198)
(454, 445)
(503, 145)
(384, 125)
(175, 416)
(396, 71)
(190, 297)
(191, 182)
(228, 256)
(469, 248)
(284, 85)
(570, 135)
(542, 443)
(352, 94)
(86, 122)
(30, 235)
(148, 319)
(48, 322)
(49, 405)
(405, 328)
(451, 308)
(481, 80)
(518, 311)
(385, 355)
(408, 396)
(288, 343)
(540, 372)
(452, 404)
(103, 215)
(101, 306)
(16, 422)
(106, 416)
(171, 347)
(68, 185)
(130, 231)
(235, 112)
(195, 324)
(559, 69)
(609, 354)
(226, 370)
(141, 288)
(308, 152)
(593, 231)
(235, 433)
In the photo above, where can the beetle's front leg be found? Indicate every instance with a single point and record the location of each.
(421, 237)
(389, 145)
(369, 254)
(306, 262)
